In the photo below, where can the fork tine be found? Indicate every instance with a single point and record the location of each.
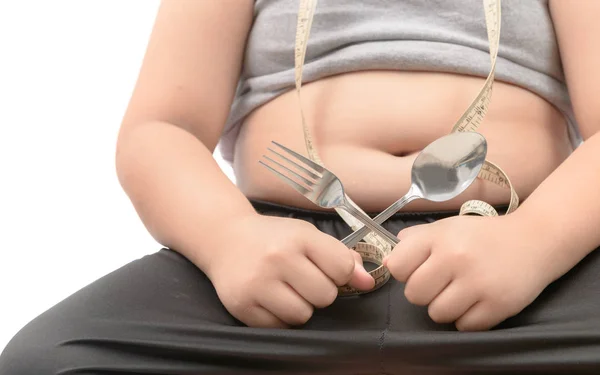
(306, 160)
(287, 180)
(295, 174)
(310, 173)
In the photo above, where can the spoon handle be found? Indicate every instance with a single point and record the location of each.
(352, 239)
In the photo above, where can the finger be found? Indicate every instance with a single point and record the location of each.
(411, 230)
(259, 317)
(452, 302)
(358, 260)
(360, 278)
(479, 317)
(286, 304)
(330, 256)
(310, 282)
(407, 256)
(427, 281)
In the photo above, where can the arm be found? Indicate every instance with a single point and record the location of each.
(478, 271)
(174, 120)
(267, 272)
(573, 190)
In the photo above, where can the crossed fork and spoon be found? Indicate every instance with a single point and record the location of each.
(441, 171)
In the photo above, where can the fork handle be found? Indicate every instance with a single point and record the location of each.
(367, 221)
(352, 239)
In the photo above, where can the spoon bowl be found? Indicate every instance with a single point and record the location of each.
(448, 166)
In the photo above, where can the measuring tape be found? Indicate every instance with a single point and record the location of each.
(374, 249)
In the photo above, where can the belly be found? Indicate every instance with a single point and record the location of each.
(369, 126)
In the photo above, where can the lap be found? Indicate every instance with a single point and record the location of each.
(160, 314)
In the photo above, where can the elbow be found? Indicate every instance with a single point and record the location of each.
(126, 162)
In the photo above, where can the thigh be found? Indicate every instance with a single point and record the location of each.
(161, 315)
(559, 333)
(126, 318)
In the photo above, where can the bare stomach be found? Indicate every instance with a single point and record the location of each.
(369, 126)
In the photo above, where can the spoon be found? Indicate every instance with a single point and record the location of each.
(441, 171)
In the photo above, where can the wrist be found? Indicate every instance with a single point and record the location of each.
(216, 239)
(551, 247)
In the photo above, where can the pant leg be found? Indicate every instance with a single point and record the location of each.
(161, 315)
(559, 333)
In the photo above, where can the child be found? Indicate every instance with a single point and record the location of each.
(248, 280)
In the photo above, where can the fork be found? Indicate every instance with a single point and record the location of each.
(319, 185)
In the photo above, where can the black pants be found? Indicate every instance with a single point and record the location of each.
(161, 315)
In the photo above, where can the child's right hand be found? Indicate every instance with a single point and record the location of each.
(272, 272)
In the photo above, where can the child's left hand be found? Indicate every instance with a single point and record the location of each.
(474, 271)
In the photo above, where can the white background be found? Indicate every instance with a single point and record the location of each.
(67, 70)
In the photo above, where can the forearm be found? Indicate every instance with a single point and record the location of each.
(178, 190)
(565, 208)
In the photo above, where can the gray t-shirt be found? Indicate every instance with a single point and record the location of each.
(409, 35)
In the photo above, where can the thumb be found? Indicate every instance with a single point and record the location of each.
(360, 277)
